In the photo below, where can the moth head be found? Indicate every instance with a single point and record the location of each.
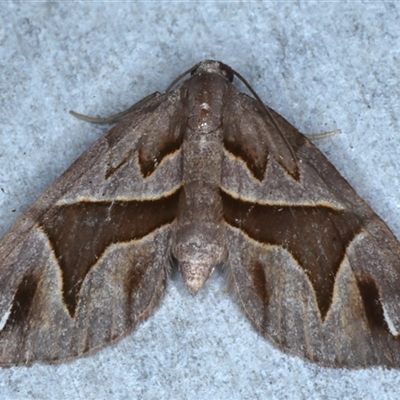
(211, 66)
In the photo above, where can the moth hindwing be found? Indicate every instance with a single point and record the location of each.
(205, 175)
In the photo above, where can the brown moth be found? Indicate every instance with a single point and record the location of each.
(203, 175)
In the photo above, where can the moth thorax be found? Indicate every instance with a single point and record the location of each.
(204, 121)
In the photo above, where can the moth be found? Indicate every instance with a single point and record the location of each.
(201, 176)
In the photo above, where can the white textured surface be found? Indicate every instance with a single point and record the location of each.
(323, 66)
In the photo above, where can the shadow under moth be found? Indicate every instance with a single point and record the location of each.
(202, 175)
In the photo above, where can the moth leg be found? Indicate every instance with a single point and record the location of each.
(323, 135)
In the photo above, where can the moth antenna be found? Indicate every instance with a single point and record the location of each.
(176, 80)
(115, 117)
(122, 114)
(268, 112)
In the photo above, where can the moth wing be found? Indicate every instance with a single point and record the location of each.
(89, 259)
(315, 269)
